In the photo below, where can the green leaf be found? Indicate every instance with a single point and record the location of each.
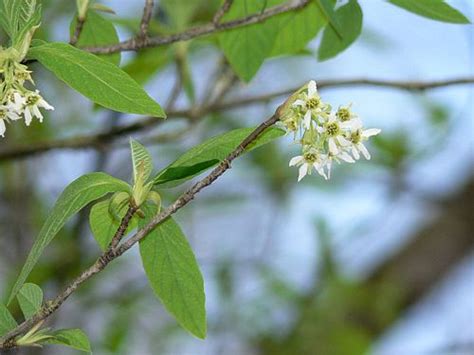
(104, 224)
(7, 322)
(72, 338)
(29, 17)
(102, 8)
(297, 28)
(326, 8)
(247, 48)
(30, 298)
(350, 19)
(95, 78)
(210, 153)
(97, 31)
(76, 196)
(142, 162)
(174, 274)
(17, 17)
(434, 9)
(8, 16)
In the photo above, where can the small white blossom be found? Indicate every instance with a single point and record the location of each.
(345, 114)
(6, 114)
(335, 131)
(309, 160)
(358, 137)
(33, 103)
(310, 104)
(16, 102)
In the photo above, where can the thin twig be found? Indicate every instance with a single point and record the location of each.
(222, 11)
(8, 340)
(103, 139)
(146, 18)
(119, 234)
(77, 31)
(134, 44)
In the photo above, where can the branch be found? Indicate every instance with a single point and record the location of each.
(81, 20)
(123, 227)
(134, 44)
(324, 84)
(222, 11)
(147, 13)
(104, 139)
(8, 340)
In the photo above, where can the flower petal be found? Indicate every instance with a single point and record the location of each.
(307, 119)
(312, 88)
(37, 113)
(364, 151)
(320, 170)
(371, 132)
(355, 153)
(299, 102)
(343, 141)
(3, 128)
(332, 146)
(28, 116)
(296, 160)
(42, 103)
(329, 166)
(303, 171)
(346, 157)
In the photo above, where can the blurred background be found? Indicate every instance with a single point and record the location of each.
(378, 260)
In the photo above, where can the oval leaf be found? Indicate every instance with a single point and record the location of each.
(174, 274)
(77, 195)
(434, 9)
(30, 299)
(72, 338)
(247, 48)
(95, 78)
(297, 28)
(7, 322)
(350, 19)
(104, 225)
(141, 160)
(210, 153)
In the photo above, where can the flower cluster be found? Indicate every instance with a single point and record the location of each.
(325, 135)
(16, 101)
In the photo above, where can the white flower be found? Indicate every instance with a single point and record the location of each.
(15, 103)
(345, 114)
(33, 103)
(8, 113)
(310, 104)
(335, 131)
(309, 160)
(22, 74)
(5, 115)
(357, 137)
